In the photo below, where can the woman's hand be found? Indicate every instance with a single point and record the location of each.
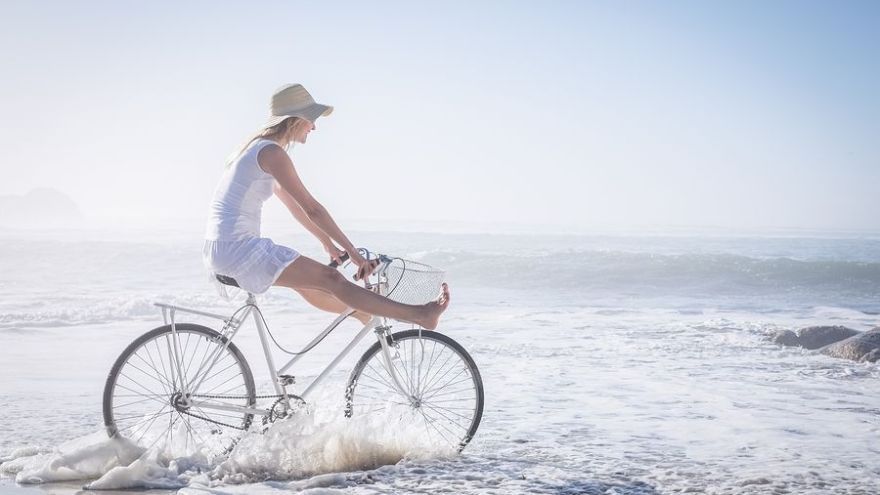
(334, 252)
(365, 268)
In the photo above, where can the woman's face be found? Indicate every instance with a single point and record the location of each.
(301, 130)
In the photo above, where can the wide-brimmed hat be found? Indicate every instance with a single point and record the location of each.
(293, 100)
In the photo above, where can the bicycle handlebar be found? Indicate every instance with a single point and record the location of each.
(343, 258)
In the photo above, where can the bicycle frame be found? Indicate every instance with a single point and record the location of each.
(230, 329)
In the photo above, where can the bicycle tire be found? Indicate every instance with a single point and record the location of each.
(424, 392)
(211, 437)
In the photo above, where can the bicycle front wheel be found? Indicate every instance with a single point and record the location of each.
(184, 395)
(442, 383)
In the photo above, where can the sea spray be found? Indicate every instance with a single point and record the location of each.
(83, 458)
(150, 470)
(303, 447)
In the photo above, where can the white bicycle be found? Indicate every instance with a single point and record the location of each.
(188, 389)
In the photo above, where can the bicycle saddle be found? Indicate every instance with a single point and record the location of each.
(223, 279)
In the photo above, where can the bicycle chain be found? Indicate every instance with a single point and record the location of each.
(201, 396)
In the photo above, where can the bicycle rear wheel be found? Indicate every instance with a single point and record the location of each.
(443, 384)
(144, 400)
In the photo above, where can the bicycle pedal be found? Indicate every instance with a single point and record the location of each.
(287, 379)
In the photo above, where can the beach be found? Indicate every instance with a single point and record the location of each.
(631, 364)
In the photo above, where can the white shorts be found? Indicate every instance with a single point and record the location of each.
(254, 262)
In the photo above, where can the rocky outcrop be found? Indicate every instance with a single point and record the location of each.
(818, 337)
(785, 337)
(835, 341)
(862, 347)
(813, 337)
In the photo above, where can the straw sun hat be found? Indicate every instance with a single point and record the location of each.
(293, 100)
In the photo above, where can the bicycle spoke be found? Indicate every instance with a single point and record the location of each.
(150, 424)
(421, 362)
(433, 425)
(385, 403)
(193, 355)
(150, 375)
(145, 409)
(164, 367)
(183, 353)
(162, 378)
(146, 390)
(380, 379)
(153, 443)
(452, 384)
(436, 376)
(434, 359)
(403, 364)
(443, 425)
(427, 430)
(120, 406)
(158, 398)
(203, 361)
(189, 427)
(169, 389)
(397, 370)
(209, 378)
(451, 410)
(448, 383)
(441, 376)
(412, 362)
(172, 363)
(447, 418)
(215, 358)
(170, 430)
(439, 369)
(169, 446)
(448, 393)
(145, 417)
(434, 403)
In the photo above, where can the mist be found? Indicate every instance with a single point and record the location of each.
(684, 116)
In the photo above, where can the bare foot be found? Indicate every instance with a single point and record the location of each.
(433, 310)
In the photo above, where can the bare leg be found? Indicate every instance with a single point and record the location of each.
(325, 301)
(305, 273)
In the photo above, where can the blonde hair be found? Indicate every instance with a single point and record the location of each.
(288, 125)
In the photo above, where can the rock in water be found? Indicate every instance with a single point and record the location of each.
(785, 337)
(817, 337)
(861, 347)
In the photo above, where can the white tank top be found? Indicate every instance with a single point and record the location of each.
(239, 197)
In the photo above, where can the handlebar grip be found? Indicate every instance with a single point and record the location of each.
(334, 264)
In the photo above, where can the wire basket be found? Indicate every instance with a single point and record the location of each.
(411, 282)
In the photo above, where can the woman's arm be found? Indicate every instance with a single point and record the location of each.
(275, 161)
(300, 215)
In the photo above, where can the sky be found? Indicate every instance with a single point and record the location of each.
(728, 115)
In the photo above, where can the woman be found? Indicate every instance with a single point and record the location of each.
(233, 245)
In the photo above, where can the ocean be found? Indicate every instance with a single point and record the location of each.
(612, 363)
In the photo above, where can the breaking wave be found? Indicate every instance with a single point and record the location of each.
(610, 269)
(719, 277)
(65, 312)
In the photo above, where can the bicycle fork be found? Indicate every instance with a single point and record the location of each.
(382, 334)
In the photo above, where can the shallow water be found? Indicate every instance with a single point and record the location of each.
(618, 394)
